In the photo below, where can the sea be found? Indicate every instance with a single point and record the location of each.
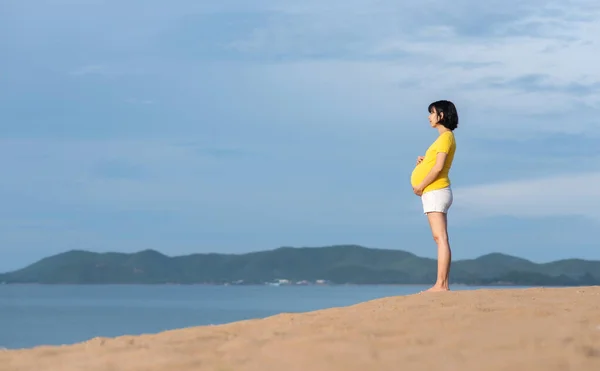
(34, 315)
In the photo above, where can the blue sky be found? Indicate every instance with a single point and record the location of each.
(233, 126)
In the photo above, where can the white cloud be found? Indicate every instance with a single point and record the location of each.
(360, 48)
(355, 58)
(561, 195)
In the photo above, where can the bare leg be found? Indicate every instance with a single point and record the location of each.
(438, 223)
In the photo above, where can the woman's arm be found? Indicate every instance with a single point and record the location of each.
(440, 160)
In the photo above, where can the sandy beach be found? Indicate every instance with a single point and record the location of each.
(482, 330)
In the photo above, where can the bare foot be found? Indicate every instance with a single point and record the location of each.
(436, 289)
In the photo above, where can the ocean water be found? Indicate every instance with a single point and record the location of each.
(32, 315)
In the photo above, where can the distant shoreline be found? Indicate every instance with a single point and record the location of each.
(329, 265)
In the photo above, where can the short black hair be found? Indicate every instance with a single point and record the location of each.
(450, 117)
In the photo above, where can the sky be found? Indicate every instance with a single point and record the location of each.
(232, 126)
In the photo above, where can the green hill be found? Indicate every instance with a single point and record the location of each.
(336, 264)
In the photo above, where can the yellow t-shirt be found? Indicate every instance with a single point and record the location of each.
(444, 143)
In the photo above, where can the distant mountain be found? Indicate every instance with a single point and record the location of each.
(335, 264)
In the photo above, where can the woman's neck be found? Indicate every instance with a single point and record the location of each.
(442, 129)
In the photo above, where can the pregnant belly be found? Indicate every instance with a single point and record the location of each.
(417, 176)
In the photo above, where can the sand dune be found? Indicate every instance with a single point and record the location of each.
(482, 330)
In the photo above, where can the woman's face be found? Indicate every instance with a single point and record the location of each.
(434, 118)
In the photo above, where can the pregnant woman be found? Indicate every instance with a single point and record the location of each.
(430, 180)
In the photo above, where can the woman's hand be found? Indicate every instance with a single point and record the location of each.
(418, 190)
(420, 159)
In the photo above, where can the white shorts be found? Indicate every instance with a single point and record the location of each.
(438, 200)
